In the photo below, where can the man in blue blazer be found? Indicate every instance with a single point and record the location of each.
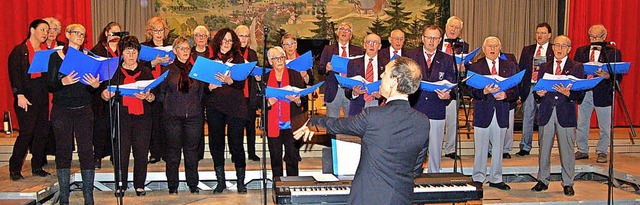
(491, 113)
(513, 103)
(599, 98)
(557, 114)
(535, 53)
(435, 66)
(360, 67)
(453, 30)
(397, 43)
(394, 139)
(333, 95)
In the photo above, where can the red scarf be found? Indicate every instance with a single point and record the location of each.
(134, 104)
(192, 58)
(113, 54)
(279, 112)
(246, 82)
(32, 52)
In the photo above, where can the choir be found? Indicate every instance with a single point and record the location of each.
(161, 123)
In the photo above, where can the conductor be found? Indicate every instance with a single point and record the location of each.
(394, 139)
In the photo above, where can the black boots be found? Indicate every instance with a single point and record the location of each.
(87, 185)
(63, 182)
(222, 183)
(242, 189)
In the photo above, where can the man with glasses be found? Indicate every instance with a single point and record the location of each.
(599, 98)
(397, 43)
(334, 95)
(370, 67)
(557, 114)
(435, 66)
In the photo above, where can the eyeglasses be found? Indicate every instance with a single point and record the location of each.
(433, 38)
(348, 30)
(54, 29)
(183, 48)
(289, 44)
(276, 59)
(227, 41)
(561, 45)
(595, 37)
(199, 35)
(243, 36)
(157, 31)
(372, 43)
(78, 33)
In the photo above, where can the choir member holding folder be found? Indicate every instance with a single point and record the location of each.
(250, 92)
(283, 115)
(31, 103)
(107, 47)
(71, 116)
(204, 49)
(183, 120)
(226, 106)
(135, 115)
(156, 33)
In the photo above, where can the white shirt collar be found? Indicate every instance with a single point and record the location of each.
(397, 98)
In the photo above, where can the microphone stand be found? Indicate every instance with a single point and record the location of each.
(457, 98)
(116, 147)
(263, 122)
(615, 87)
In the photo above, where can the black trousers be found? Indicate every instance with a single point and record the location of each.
(250, 130)
(34, 128)
(183, 134)
(217, 121)
(292, 153)
(70, 122)
(101, 136)
(135, 133)
(158, 145)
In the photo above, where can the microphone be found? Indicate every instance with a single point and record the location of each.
(121, 34)
(454, 40)
(604, 43)
(266, 29)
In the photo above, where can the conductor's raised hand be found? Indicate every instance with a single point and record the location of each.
(303, 132)
(70, 79)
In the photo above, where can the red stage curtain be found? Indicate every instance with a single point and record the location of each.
(622, 20)
(14, 29)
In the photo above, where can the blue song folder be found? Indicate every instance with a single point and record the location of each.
(301, 63)
(141, 86)
(548, 81)
(592, 67)
(339, 64)
(467, 57)
(84, 64)
(358, 80)
(443, 85)
(205, 70)
(478, 81)
(40, 63)
(257, 71)
(150, 53)
(281, 93)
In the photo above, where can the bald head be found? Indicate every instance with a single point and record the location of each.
(396, 39)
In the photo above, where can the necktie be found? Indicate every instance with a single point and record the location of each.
(449, 50)
(429, 60)
(538, 52)
(344, 51)
(534, 74)
(369, 77)
(558, 67)
(592, 57)
(494, 71)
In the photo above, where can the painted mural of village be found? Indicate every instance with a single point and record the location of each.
(305, 18)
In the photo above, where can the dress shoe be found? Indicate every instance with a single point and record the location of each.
(173, 191)
(580, 155)
(40, 173)
(141, 192)
(506, 156)
(452, 155)
(500, 185)
(540, 187)
(16, 176)
(254, 158)
(194, 190)
(568, 190)
(489, 155)
(476, 184)
(522, 153)
(153, 160)
(602, 158)
(118, 193)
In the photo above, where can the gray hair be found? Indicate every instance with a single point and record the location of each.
(275, 49)
(452, 18)
(408, 74)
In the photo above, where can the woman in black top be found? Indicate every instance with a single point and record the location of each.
(201, 48)
(250, 92)
(226, 106)
(107, 47)
(135, 118)
(183, 121)
(71, 116)
(31, 103)
(156, 33)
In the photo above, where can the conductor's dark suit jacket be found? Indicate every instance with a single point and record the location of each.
(394, 144)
